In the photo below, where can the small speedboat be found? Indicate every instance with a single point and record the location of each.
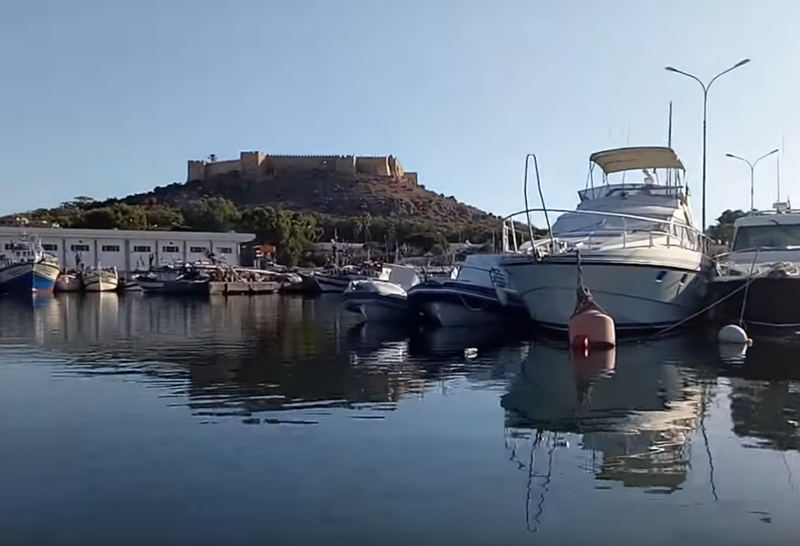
(478, 292)
(384, 298)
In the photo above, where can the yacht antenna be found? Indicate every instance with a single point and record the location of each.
(783, 151)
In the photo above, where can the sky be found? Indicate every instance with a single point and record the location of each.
(106, 98)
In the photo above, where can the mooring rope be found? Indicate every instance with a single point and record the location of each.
(583, 296)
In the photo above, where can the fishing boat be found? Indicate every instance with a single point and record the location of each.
(478, 291)
(384, 298)
(632, 244)
(69, 281)
(25, 268)
(100, 280)
(758, 282)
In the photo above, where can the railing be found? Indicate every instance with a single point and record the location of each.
(665, 233)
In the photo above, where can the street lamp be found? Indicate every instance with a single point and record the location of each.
(705, 105)
(752, 171)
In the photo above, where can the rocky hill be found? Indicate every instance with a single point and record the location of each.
(330, 194)
(290, 209)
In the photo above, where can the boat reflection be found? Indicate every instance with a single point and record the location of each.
(633, 408)
(765, 394)
(243, 356)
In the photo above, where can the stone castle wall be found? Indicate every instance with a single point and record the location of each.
(261, 165)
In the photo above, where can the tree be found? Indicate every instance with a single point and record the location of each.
(363, 224)
(723, 230)
(210, 214)
(163, 217)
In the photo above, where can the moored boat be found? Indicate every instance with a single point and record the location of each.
(384, 298)
(27, 268)
(336, 281)
(477, 292)
(100, 280)
(69, 281)
(632, 244)
(758, 282)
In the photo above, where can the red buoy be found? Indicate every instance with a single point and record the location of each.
(592, 328)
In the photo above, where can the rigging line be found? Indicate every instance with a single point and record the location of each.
(788, 471)
(536, 441)
(708, 449)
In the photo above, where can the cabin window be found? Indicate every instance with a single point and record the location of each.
(79, 248)
(198, 249)
(170, 249)
(683, 278)
(768, 236)
(224, 250)
(50, 247)
(661, 275)
(141, 248)
(110, 248)
(9, 246)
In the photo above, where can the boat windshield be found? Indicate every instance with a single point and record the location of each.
(582, 224)
(769, 236)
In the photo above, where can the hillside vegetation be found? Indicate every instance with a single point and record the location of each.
(290, 210)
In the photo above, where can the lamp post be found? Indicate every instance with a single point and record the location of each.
(706, 87)
(752, 171)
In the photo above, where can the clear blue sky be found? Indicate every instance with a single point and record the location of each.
(105, 98)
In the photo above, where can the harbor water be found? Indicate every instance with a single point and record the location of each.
(138, 419)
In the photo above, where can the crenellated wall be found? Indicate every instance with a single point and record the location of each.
(258, 165)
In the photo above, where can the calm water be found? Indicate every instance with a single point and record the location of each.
(141, 420)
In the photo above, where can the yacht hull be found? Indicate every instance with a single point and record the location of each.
(637, 295)
(767, 303)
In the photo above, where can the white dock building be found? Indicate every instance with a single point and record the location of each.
(129, 250)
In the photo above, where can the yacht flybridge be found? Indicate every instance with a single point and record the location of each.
(634, 244)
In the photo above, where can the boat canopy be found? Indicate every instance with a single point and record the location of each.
(629, 159)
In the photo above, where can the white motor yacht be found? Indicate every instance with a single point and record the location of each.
(634, 244)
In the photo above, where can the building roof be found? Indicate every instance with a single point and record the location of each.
(642, 157)
(45, 232)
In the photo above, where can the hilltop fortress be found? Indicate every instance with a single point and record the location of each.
(259, 165)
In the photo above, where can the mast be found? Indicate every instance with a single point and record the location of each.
(669, 127)
(669, 142)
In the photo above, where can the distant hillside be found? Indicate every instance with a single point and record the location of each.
(291, 208)
(330, 194)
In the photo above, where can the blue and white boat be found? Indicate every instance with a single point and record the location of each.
(26, 268)
(385, 298)
(478, 292)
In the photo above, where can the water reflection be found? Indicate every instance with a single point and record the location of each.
(765, 394)
(243, 356)
(633, 409)
(371, 421)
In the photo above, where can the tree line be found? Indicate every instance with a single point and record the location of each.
(289, 231)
